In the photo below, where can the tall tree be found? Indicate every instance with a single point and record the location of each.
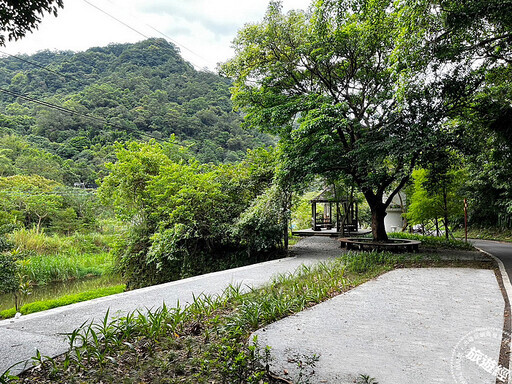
(19, 17)
(330, 84)
(473, 40)
(436, 195)
(461, 29)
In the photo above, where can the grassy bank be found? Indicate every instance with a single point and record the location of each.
(38, 306)
(44, 269)
(207, 341)
(53, 264)
(500, 234)
(40, 243)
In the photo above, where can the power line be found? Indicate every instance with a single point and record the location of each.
(70, 111)
(42, 67)
(142, 34)
(115, 18)
(176, 43)
(57, 107)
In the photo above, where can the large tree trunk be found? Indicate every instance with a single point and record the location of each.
(378, 210)
(378, 227)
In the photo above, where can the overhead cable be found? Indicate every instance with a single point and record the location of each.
(70, 111)
(116, 19)
(42, 67)
(176, 43)
(142, 34)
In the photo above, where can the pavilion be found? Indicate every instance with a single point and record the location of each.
(332, 215)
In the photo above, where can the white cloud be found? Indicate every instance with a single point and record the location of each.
(203, 29)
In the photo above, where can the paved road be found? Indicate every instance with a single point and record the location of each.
(407, 326)
(501, 250)
(44, 330)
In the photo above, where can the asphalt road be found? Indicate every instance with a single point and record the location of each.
(501, 250)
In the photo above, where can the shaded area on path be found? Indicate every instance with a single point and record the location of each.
(45, 330)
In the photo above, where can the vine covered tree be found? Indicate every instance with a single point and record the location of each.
(19, 17)
(330, 83)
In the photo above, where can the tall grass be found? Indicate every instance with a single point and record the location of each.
(57, 258)
(31, 241)
(44, 269)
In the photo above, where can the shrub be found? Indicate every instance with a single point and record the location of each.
(263, 224)
(5, 244)
(8, 280)
(433, 241)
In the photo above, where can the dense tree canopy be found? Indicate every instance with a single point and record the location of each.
(477, 33)
(132, 91)
(434, 199)
(183, 216)
(31, 200)
(330, 84)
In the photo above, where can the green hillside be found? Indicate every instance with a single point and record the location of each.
(119, 92)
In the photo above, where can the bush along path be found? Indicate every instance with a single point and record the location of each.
(207, 340)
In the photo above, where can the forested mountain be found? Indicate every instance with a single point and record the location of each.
(170, 157)
(119, 92)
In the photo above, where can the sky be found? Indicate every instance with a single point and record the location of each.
(202, 29)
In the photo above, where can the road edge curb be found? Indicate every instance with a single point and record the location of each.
(508, 289)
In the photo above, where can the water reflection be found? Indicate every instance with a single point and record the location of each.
(59, 289)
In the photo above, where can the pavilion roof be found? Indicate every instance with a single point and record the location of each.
(327, 196)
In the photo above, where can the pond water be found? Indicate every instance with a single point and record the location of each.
(59, 289)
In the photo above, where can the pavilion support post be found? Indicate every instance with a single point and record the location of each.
(313, 214)
(357, 218)
(338, 219)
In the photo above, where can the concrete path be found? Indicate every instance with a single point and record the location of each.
(407, 326)
(430, 325)
(44, 330)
